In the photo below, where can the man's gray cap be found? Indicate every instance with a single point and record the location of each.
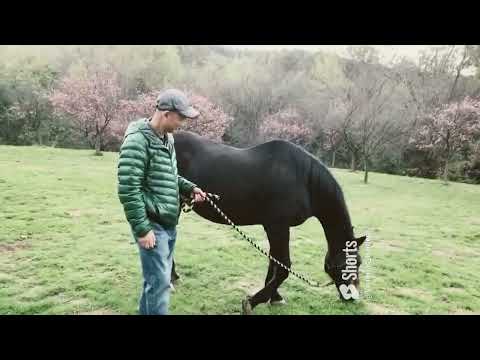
(176, 100)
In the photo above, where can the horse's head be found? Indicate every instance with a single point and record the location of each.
(343, 268)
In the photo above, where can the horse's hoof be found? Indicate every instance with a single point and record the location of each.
(246, 306)
(278, 302)
(176, 281)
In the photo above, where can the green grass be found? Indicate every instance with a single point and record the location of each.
(65, 247)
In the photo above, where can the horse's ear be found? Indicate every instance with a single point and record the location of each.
(361, 240)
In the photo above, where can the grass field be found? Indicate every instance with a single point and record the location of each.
(65, 247)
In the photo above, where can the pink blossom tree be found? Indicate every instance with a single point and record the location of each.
(449, 128)
(286, 124)
(213, 120)
(92, 100)
(131, 110)
(211, 124)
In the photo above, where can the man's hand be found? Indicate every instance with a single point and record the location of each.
(198, 195)
(147, 241)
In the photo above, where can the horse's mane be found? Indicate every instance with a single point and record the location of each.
(328, 193)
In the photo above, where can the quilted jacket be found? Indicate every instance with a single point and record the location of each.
(149, 186)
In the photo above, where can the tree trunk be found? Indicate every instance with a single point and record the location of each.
(98, 143)
(365, 167)
(445, 172)
(39, 136)
(333, 159)
(54, 144)
(353, 166)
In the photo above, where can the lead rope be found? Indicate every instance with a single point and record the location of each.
(189, 206)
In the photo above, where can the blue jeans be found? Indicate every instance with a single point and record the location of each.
(156, 268)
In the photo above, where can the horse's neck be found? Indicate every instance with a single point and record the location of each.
(330, 208)
(337, 235)
(337, 226)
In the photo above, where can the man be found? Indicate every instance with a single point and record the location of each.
(149, 189)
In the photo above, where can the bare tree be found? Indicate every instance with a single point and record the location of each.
(248, 100)
(437, 78)
(376, 117)
(378, 111)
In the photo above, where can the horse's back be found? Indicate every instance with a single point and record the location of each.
(254, 183)
(253, 166)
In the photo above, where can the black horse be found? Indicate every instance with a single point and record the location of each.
(276, 184)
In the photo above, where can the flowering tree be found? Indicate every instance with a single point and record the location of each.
(131, 110)
(286, 124)
(92, 100)
(211, 123)
(449, 128)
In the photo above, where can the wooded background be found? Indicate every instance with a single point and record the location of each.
(398, 116)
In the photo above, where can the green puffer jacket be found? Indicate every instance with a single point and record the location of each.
(148, 180)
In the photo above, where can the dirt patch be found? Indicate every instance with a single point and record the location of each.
(78, 302)
(377, 309)
(414, 293)
(247, 285)
(86, 212)
(463, 312)
(466, 253)
(475, 221)
(74, 213)
(98, 312)
(18, 245)
(454, 290)
(450, 254)
(390, 246)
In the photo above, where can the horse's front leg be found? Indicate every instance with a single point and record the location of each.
(279, 248)
(264, 295)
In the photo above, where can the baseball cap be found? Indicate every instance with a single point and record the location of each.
(176, 100)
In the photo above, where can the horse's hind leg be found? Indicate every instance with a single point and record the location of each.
(279, 249)
(276, 298)
(272, 232)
